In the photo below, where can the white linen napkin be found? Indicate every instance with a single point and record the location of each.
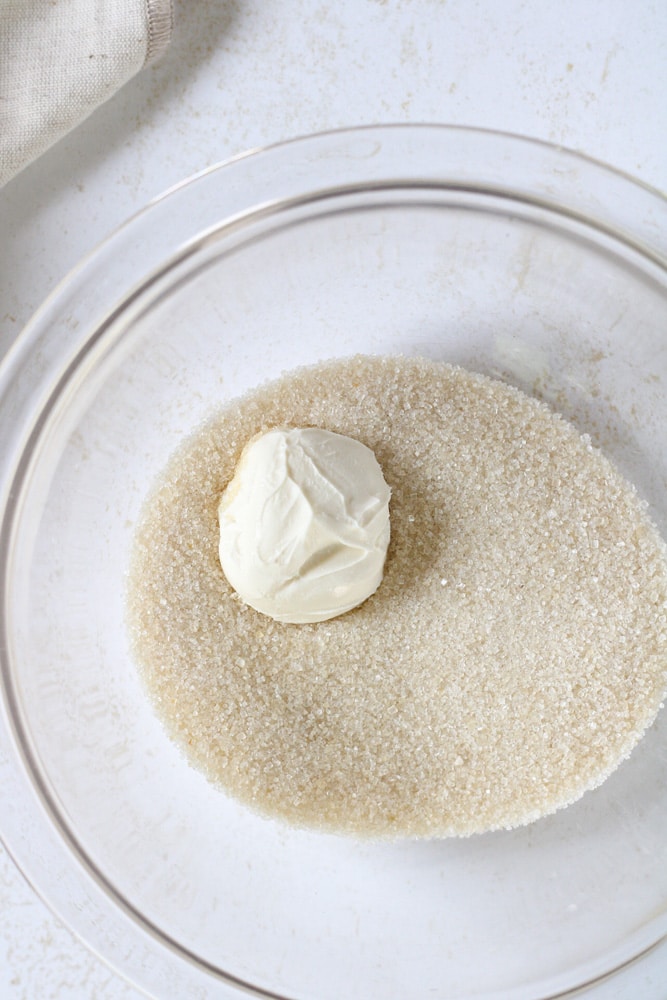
(60, 59)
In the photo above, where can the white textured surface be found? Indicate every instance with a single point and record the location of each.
(590, 75)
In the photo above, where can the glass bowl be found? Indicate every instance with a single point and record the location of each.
(508, 256)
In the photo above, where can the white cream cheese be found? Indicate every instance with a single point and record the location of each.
(304, 524)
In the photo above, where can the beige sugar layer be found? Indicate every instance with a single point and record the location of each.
(512, 656)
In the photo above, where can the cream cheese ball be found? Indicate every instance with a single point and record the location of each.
(304, 524)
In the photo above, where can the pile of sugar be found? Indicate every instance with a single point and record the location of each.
(512, 657)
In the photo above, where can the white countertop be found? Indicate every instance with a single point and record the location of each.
(586, 74)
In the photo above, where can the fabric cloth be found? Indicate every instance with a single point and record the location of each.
(60, 59)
